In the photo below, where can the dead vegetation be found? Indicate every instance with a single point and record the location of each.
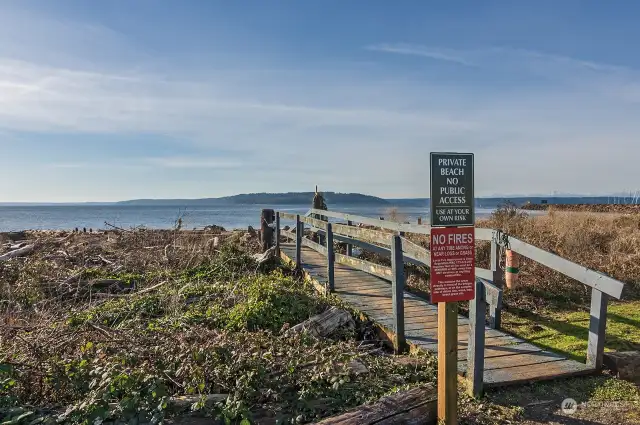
(597, 208)
(606, 243)
(137, 326)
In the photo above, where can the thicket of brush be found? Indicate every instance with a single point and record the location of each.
(183, 317)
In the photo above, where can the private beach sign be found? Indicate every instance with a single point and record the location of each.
(452, 200)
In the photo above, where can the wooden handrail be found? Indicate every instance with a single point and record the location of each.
(585, 275)
(588, 277)
(367, 235)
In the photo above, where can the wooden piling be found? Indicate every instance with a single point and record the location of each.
(266, 231)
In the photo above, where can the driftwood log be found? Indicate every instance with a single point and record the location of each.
(17, 253)
(324, 324)
(418, 406)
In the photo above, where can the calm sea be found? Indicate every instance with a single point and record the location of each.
(162, 217)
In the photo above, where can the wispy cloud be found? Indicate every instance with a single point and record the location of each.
(153, 162)
(447, 55)
(186, 162)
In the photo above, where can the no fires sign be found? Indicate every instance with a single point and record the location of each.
(452, 264)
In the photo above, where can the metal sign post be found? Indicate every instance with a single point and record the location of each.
(452, 264)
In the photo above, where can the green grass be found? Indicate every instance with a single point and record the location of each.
(567, 332)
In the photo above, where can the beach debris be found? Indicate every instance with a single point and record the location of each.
(414, 406)
(325, 324)
(265, 256)
(13, 236)
(17, 253)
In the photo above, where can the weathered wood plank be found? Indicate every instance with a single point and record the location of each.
(416, 251)
(475, 351)
(530, 373)
(287, 216)
(521, 359)
(380, 250)
(361, 233)
(413, 407)
(314, 245)
(484, 273)
(500, 350)
(288, 234)
(480, 233)
(366, 266)
(493, 297)
(597, 328)
(321, 224)
(580, 273)
(385, 224)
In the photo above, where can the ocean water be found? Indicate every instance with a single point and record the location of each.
(13, 218)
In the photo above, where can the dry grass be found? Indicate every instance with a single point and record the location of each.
(605, 243)
(64, 266)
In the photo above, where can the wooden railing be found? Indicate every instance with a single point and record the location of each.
(388, 238)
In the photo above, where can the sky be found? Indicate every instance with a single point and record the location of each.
(124, 99)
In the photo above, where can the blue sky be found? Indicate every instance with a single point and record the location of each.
(121, 99)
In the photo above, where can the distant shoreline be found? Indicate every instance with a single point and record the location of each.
(596, 208)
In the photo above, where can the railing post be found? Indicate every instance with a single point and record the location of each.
(330, 259)
(349, 246)
(278, 233)
(597, 328)
(397, 293)
(475, 349)
(299, 231)
(495, 311)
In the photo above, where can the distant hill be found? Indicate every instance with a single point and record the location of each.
(290, 198)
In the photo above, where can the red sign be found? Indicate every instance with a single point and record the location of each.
(453, 263)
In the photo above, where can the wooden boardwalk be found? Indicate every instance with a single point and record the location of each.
(508, 360)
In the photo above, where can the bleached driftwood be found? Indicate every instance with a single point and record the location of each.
(17, 253)
(417, 406)
(266, 256)
(324, 324)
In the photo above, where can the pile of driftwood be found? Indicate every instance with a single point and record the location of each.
(68, 265)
